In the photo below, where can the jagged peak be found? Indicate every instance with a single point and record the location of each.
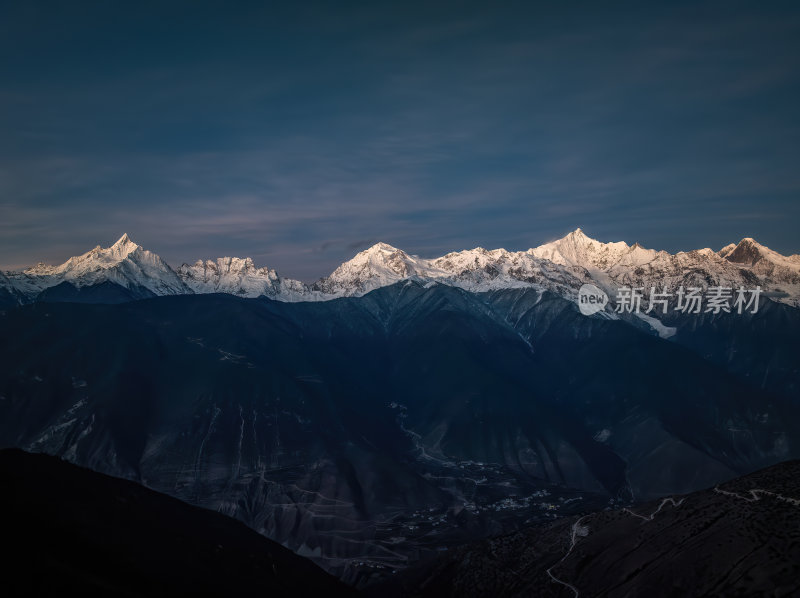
(579, 238)
(229, 263)
(246, 261)
(123, 240)
(121, 249)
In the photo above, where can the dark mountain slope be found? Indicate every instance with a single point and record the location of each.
(761, 348)
(741, 538)
(104, 292)
(380, 428)
(68, 529)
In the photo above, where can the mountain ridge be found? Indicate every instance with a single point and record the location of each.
(563, 266)
(738, 538)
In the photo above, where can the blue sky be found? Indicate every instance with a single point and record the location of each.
(299, 135)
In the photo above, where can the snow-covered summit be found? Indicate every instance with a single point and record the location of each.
(776, 270)
(124, 263)
(577, 249)
(749, 252)
(375, 267)
(94, 260)
(238, 276)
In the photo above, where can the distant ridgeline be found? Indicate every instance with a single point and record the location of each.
(125, 271)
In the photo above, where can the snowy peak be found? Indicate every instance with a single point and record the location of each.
(576, 249)
(124, 241)
(457, 262)
(747, 252)
(238, 276)
(378, 266)
(231, 265)
(122, 248)
(774, 270)
(98, 258)
(380, 253)
(124, 263)
(460, 263)
(380, 247)
(578, 237)
(382, 257)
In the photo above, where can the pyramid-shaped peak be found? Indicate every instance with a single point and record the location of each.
(121, 249)
(124, 240)
(747, 251)
(577, 236)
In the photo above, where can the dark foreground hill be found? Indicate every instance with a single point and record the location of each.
(67, 529)
(740, 538)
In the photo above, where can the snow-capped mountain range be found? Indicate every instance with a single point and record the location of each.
(561, 266)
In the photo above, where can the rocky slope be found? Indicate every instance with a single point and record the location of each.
(739, 538)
